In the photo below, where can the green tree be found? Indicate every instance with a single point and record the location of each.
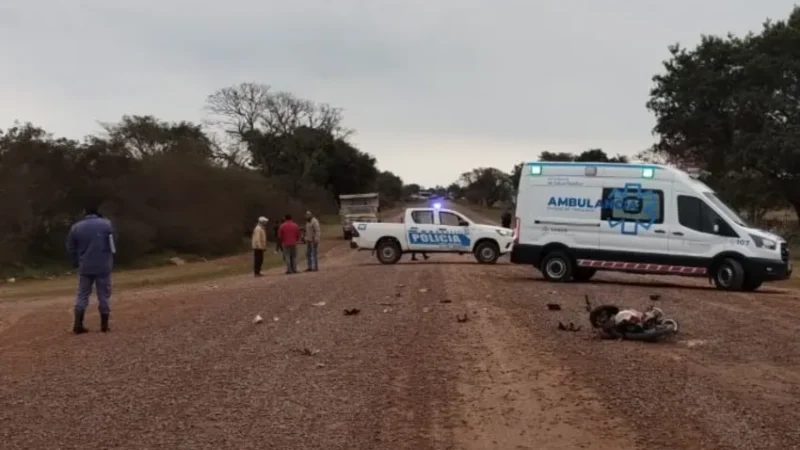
(730, 106)
(486, 185)
(411, 189)
(591, 155)
(516, 173)
(389, 186)
(454, 191)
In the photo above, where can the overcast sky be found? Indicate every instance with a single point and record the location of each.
(433, 87)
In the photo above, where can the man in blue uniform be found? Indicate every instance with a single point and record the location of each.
(91, 247)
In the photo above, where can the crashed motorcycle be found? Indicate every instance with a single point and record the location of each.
(611, 322)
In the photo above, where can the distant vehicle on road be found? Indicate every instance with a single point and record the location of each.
(574, 219)
(364, 208)
(432, 230)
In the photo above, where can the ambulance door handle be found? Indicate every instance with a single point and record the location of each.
(659, 231)
(677, 233)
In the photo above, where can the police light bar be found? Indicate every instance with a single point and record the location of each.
(437, 205)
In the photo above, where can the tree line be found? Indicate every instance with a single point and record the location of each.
(180, 186)
(729, 107)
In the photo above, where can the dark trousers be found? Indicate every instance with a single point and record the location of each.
(85, 285)
(258, 260)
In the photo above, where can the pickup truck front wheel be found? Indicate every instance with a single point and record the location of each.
(388, 252)
(487, 253)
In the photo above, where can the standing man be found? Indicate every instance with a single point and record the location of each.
(288, 235)
(312, 238)
(505, 219)
(91, 247)
(259, 244)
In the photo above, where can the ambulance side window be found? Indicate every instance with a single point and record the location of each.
(695, 214)
(422, 217)
(633, 205)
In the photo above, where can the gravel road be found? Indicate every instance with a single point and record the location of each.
(185, 367)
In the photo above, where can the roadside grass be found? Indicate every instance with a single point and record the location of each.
(157, 271)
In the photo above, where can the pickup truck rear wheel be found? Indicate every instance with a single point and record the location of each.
(487, 253)
(388, 252)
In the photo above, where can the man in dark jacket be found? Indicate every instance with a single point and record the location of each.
(91, 246)
(505, 219)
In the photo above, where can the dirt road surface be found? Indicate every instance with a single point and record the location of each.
(185, 367)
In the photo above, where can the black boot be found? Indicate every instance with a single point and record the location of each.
(78, 327)
(104, 323)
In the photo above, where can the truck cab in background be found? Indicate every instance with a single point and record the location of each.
(363, 208)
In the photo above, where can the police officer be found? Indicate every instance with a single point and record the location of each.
(91, 247)
(505, 219)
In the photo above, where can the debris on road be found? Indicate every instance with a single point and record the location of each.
(275, 319)
(11, 280)
(387, 310)
(305, 351)
(654, 297)
(425, 309)
(320, 365)
(445, 300)
(570, 327)
(554, 307)
(462, 319)
(258, 319)
(351, 312)
(423, 290)
(318, 304)
(401, 285)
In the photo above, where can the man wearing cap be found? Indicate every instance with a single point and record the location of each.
(259, 244)
(91, 247)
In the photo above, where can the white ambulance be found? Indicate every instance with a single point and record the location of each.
(574, 219)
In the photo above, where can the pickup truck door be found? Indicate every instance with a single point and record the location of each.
(457, 231)
(421, 231)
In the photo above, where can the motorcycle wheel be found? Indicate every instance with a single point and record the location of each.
(598, 316)
(670, 323)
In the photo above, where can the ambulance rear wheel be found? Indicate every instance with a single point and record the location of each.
(583, 274)
(487, 253)
(557, 266)
(729, 275)
(388, 252)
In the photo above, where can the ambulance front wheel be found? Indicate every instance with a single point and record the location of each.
(557, 266)
(729, 275)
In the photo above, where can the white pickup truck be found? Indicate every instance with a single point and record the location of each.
(432, 230)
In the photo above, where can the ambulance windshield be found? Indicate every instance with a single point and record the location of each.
(728, 211)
